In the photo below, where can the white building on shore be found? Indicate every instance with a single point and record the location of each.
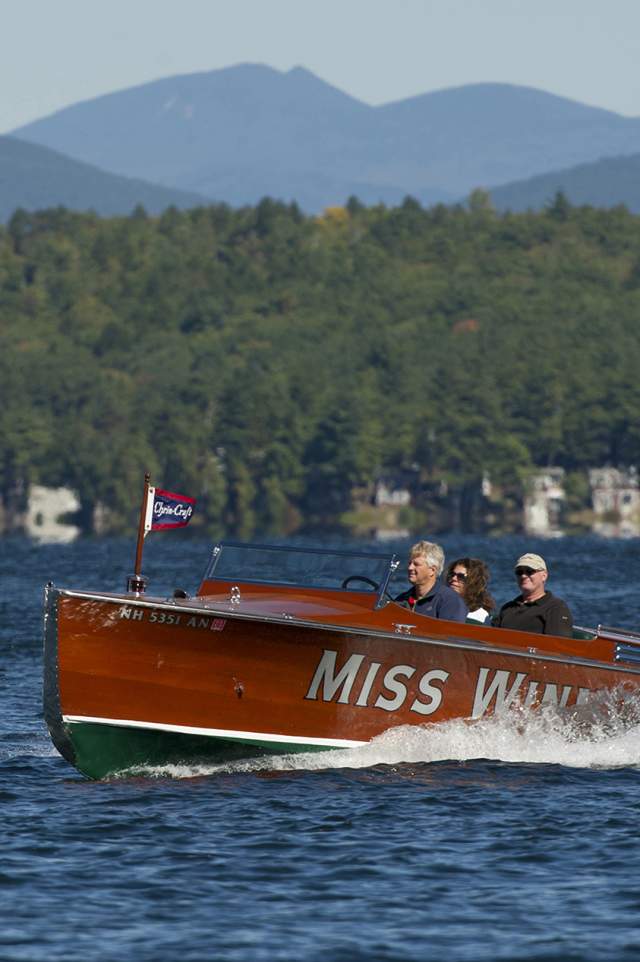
(46, 511)
(615, 496)
(544, 503)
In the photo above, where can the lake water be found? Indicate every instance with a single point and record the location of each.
(496, 842)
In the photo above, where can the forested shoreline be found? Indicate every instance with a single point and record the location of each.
(271, 364)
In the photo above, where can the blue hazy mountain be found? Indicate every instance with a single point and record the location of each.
(243, 132)
(235, 135)
(35, 177)
(605, 183)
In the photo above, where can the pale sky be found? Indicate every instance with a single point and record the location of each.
(58, 52)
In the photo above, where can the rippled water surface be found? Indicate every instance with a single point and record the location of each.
(506, 840)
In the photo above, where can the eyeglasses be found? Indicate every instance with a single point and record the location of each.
(525, 572)
(458, 575)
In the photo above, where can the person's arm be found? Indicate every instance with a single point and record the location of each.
(558, 620)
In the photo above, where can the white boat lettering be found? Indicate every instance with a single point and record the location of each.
(200, 621)
(325, 672)
(365, 691)
(550, 696)
(506, 688)
(156, 617)
(327, 682)
(432, 693)
(391, 683)
(131, 614)
(164, 618)
(532, 694)
(504, 697)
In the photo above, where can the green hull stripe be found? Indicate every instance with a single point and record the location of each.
(104, 750)
(228, 734)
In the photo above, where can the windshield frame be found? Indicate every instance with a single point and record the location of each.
(385, 565)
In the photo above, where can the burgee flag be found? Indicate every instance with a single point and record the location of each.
(165, 509)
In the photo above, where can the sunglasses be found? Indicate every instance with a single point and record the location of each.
(459, 575)
(525, 572)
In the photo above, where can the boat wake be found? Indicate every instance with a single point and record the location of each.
(605, 735)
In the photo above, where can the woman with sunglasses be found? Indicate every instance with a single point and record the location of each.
(470, 577)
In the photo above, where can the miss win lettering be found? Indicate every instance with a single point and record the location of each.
(365, 684)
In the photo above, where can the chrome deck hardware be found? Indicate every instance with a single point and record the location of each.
(617, 634)
(629, 653)
(137, 585)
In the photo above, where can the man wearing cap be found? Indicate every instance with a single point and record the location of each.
(535, 609)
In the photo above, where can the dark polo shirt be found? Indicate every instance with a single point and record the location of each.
(441, 602)
(546, 616)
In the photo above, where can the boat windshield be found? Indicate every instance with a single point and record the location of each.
(307, 567)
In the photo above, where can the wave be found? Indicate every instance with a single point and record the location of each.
(605, 735)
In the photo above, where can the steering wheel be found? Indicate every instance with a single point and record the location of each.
(367, 581)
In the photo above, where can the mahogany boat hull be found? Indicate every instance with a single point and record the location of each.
(137, 682)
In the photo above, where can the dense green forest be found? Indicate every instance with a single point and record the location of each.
(271, 364)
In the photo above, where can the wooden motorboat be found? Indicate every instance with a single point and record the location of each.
(289, 650)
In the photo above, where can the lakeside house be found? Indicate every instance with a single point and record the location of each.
(391, 492)
(615, 496)
(47, 509)
(544, 503)
(609, 505)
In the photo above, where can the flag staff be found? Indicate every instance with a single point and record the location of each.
(136, 583)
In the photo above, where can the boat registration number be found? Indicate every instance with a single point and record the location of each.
(155, 617)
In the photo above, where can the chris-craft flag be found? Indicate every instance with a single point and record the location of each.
(165, 509)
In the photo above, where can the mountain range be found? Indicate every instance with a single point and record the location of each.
(605, 183)
(34, 177)
(243, 132)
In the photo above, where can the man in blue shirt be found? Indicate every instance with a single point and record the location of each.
(427, 595)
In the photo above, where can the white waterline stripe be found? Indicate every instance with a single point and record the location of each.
(213, 732)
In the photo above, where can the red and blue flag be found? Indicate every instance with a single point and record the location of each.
(166, 509)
